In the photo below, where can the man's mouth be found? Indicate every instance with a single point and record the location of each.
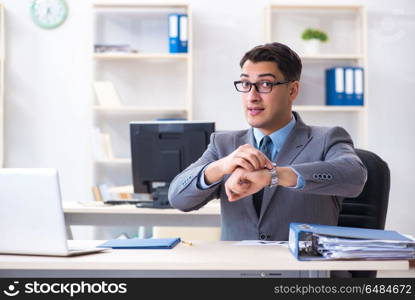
(255, 111)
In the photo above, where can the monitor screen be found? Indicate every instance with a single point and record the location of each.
(162, 149)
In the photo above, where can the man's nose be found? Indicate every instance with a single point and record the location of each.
(253, 94)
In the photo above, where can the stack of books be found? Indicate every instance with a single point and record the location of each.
(118, 194)
(113, 48)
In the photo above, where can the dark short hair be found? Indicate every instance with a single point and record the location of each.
(286, 59)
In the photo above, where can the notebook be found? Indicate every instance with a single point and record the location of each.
(167, 243)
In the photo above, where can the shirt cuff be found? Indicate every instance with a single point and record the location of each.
(300, 181)
(201, 183)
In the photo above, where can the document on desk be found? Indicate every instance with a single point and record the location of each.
(261, 243)
(332, 247)
(322, 242)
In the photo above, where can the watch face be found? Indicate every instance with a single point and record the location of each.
(49, 13)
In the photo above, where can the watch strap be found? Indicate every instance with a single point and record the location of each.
(274, 176)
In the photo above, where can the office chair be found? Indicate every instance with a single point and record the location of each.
(368, 210)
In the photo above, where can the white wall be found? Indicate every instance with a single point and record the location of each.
(48, 91)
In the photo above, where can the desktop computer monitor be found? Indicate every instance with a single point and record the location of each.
(162, 149)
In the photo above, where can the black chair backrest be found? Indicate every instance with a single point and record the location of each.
(368, 210)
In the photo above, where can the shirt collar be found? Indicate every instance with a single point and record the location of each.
(278, 137)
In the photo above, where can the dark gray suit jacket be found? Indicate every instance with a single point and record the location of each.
(325, 158)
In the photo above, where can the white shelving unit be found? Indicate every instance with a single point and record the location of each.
(115, 161)
(346, 28)
(151, 82)
(2, 59)
(137, 109)
(328, 108)
(140, 56)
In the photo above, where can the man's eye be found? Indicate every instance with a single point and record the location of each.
(266, 84)
(246, 84)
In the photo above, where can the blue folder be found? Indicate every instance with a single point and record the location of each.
(358, 85)
(345, 86)
(178, 33)
(168, 243)
(349, 95)
(183, 33)
(174, 42)
(301, 233)
(335, 86)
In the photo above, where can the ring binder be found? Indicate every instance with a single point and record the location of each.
(323, 242)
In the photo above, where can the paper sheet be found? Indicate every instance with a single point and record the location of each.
(261, 243)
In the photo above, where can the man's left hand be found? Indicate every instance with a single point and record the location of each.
(243, 183)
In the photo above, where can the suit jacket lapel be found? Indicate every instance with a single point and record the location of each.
(295, 143)
(247, 137)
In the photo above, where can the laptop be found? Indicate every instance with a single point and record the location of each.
(31, 215)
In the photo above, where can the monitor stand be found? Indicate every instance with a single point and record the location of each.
(160, 198)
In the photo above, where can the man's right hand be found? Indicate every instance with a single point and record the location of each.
(246, 157)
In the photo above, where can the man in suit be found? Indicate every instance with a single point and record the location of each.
(278, 171)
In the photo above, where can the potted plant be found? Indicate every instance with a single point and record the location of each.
(313, 38)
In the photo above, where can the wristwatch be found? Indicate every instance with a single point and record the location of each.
(274, 175)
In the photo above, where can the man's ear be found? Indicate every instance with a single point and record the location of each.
(294, 89)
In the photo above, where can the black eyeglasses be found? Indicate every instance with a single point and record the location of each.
(262, 87)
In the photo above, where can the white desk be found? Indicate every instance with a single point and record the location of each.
(203, 259)
(93, 213)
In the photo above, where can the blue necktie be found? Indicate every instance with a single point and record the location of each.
(265, 147)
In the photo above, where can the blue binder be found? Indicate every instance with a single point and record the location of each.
(358, 84)
(335, 94)
(183, 33)
(178, 33)
(345, 86)
(174, 33)
(349, 95)
(141, 243)
(300, 234)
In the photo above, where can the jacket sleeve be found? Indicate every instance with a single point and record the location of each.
(340, 173)
(184, 192)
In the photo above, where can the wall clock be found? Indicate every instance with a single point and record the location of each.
(49, 14)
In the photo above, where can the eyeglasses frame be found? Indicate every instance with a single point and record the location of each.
(256, 87)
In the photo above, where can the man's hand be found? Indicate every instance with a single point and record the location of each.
(246, 157)
(243, 183)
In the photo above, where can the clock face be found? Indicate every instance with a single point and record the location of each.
(49, 14)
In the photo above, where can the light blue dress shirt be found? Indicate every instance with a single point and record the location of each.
(278, 139)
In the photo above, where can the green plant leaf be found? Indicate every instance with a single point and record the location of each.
(311, 33)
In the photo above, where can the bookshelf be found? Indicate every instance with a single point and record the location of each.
(346, 28)
(2, 59)
(114, 161)
(137, 110)
(327, 108)
(114, 56)
(149, 82)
